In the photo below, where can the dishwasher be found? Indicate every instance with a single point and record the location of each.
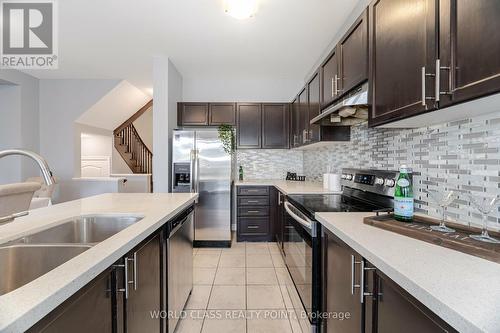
(179, 265)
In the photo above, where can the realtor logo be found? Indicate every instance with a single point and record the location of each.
(29, 33)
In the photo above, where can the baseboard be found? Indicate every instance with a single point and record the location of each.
(198, 243)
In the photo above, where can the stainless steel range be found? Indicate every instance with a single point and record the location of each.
(363, 191)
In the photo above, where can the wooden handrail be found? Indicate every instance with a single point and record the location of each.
(133, 117)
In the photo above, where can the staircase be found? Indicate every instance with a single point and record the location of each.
(130, 145)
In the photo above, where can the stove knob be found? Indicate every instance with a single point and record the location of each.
(379, 181)
(343, 176)
(390, 182)
(348, 177)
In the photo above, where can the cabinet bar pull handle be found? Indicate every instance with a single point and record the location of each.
(125, 279)
(253, 227)
(252, 211)
(334, 85)
(440, 68)
(424, 96)
(253, 201)
(353, 270)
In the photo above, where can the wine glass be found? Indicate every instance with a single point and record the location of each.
(484, 205)
(443, 199)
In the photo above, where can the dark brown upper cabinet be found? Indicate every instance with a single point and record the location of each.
(222, 113)
(469, 50)
(353, 50)
(330, 77)
(192, 114)
(275, 125)
(402, 58)
(303, 117)
(249, 123)
(294, 131)
(313, 97)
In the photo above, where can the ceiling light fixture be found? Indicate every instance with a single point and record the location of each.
(241, 9)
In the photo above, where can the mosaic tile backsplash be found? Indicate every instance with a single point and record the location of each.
(461, 155)
(269, 163)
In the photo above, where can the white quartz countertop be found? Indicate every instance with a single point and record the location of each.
(23, 307)
(462, 289)
(289, 187)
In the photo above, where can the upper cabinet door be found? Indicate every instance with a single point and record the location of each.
(249, 122)
(330, 78)
(222, 113)
(275, 125)
(402, 58)
(294, 132)
(353, 49)
(313, 90)
(469, 49)
(303, 117)
(192, 114)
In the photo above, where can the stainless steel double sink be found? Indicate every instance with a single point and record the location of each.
(27, 258)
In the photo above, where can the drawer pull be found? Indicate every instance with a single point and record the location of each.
(253, 227)
(253, 201)
(253, 211)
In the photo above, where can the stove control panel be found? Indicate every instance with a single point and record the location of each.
(369, 180)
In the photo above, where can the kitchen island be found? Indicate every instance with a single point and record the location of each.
(26, 305)
(461, 289)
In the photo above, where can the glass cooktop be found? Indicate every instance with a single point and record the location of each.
(315, 203)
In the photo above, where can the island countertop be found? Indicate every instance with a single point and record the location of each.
(462, 289)
(23, 307)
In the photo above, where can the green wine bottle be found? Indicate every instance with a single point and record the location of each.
(241, 173)
(403, 196)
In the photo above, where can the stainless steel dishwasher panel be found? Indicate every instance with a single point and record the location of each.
(180, 269)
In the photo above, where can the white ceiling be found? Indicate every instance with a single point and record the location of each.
(118, 38)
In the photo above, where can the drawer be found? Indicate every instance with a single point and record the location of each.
(253, 190)
(249, 225)
(253, 211)
(253, 201)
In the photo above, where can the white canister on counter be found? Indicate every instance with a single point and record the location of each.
(326, 181)
(334, 182)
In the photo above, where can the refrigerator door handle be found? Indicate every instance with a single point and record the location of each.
(197, 173)
(192, 171)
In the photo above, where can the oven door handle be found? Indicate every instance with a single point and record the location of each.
(304, 221)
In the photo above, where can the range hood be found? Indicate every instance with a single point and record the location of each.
(351, 110)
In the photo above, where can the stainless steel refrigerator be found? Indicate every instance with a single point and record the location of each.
(201, 165)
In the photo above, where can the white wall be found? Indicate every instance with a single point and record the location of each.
(61, 103)
(167, 91)
(19, 123)
(240, 89)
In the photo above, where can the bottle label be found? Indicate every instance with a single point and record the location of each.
(403, 207)
(403, 182)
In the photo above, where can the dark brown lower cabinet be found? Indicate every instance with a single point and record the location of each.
(89, 310)
(144, 289)
(342, 297)
(255, 213)
(115, 301)
(385, 307)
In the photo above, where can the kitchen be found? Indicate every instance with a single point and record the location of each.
(367, 202)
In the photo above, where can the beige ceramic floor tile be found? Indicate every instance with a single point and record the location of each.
(189, 325)
(204, 276)
(259, 260)
(209, 250)
(286, 297)
(257, 248)
(230, 276)
(224, 325)
(199, 298)
(206, 260)
(267, 325)
(235, 249)
(232, 260)
(227, 297)
(278, 260)
(264, 297)
(265, 276)
(283, 276)
(273, 248)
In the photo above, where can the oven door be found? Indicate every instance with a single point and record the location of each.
(301, 247)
